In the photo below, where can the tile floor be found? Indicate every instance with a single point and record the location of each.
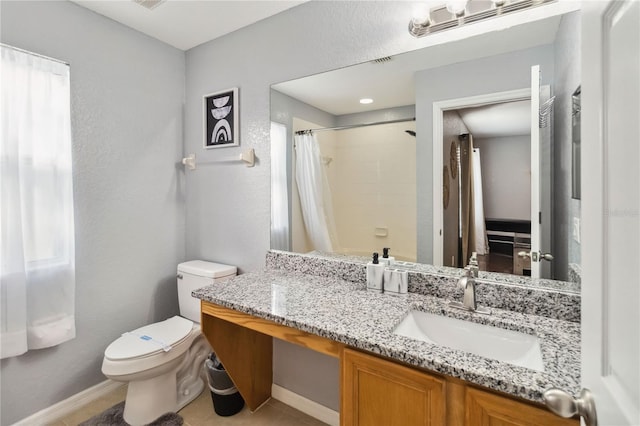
(200, 413)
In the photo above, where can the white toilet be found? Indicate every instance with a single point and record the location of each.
(162, 362)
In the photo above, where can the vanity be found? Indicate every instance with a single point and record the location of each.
(321, 303)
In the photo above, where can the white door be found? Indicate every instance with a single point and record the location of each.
(611, 208)
(540, 178)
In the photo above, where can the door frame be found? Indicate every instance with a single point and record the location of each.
(439, 108)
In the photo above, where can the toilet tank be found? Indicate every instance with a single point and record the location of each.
(196, 274)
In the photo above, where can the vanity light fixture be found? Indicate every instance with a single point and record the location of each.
(455, 13)
(366, 101)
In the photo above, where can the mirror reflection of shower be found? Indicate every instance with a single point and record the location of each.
(371, 173)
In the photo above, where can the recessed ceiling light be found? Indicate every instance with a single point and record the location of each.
(365, 101)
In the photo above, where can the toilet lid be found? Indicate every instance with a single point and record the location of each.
(150, 339)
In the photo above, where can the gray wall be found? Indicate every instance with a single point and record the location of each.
(506, 176)
(509, 71)
(567, 59)
(229, 221)
(127, 95)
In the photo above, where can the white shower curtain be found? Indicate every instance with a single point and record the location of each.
(480, 228)
(37, 253)
(315, 194)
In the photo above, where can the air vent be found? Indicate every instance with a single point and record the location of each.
(149, 4)
(382, 60)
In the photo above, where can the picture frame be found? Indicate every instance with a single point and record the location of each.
(220, 119)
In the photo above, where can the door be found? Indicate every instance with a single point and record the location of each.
(540, 178)
(380, 392)
(610, 208)
(486, 408)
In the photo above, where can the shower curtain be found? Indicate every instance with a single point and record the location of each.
(473, 233)
(467, 235)
(315, 194)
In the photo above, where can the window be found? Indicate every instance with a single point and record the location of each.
(36, 210)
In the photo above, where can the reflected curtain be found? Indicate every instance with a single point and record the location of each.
(480, 227)
(467, 218)
(473, 234)
(279, 191)
(37, 252)
(315, 193)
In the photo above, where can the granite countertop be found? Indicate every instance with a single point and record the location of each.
(346, 312)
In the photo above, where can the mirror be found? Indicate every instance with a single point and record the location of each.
(378, 158)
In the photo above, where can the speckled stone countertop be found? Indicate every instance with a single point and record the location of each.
(548, 298)
(343, 311)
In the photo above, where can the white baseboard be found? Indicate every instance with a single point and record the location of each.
(307, 406)
(57, 411)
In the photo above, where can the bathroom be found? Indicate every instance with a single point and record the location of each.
(136, 113)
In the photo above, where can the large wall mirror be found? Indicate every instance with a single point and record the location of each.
(429, 153)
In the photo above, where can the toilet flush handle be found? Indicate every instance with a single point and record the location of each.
(179, 276)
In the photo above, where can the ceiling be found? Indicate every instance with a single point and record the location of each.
(185, 24)
(498, 120)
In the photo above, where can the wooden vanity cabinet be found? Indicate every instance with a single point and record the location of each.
(376, 391)
(486, 408)
(379, 392)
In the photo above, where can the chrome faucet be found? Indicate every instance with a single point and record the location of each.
(468, 284)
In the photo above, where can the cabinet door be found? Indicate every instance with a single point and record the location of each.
(486, 409)
(379, 392)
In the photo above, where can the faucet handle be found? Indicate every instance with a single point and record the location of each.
(472, 266)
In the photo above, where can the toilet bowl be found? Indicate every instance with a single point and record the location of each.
(162, 362)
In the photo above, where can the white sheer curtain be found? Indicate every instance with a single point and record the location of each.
(315, 194)
(279, 194)
(37, 253)
(480, 228)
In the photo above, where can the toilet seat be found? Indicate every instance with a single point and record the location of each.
(150, 340)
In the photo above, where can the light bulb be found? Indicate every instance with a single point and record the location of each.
(365, 101)
(456, 7)
(420, 16)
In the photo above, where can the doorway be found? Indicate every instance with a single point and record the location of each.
(487, 175)
(540, 175)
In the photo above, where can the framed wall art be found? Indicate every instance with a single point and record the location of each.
(221, 119)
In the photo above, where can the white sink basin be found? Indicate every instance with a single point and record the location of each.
(490, 342)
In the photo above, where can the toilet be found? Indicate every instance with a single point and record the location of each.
(162, 362)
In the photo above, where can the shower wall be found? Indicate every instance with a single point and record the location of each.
(372, 172)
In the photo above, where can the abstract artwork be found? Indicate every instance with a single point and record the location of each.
(221, 119)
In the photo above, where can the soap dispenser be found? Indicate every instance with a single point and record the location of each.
(386, 259)
(375, 274)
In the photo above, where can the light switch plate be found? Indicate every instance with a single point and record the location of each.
(576, 229)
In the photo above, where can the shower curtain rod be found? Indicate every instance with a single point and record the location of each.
(353, 126)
